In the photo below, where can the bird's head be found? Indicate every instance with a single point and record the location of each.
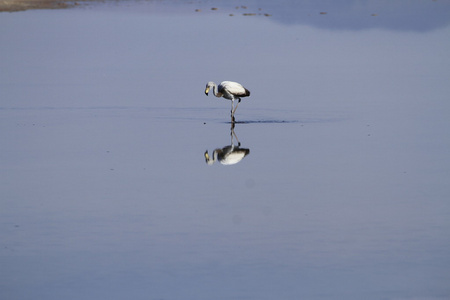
(208, 159)
(208, 86)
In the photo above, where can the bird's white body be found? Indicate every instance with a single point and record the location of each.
(228, 155)
(229, 90)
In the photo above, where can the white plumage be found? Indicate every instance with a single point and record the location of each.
(228, 155)
(229, 90)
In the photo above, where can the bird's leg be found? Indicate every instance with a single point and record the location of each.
(233, 134)
(232, 105)
(236, 106)
(232, 112)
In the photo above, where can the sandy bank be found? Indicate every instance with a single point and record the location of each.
(18, 5)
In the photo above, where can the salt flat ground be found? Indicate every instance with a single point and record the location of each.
(105, 193)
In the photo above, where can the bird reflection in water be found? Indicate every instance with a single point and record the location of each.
(228, 155)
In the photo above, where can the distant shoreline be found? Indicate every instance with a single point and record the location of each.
(21, 5)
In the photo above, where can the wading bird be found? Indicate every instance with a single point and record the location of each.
(229, 90)
(228, 155)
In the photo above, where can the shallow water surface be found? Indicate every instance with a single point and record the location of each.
(343, 194)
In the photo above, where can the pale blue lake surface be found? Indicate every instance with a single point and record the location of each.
(345, 194)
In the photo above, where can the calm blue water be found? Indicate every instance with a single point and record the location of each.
(105, 193)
